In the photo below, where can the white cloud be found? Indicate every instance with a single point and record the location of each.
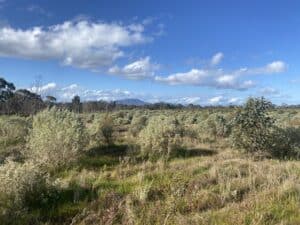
(271, 68)
(269, 91)
(217, 78)
(225, 100)
(81, 44)
(185, 100)
(44, 89)
(234, 100)
(216, 100)
(194, 77)
(276, 67)
(139, 69)
(66, 93)
(210, 78)
(216, 59)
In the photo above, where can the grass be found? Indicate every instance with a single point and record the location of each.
(200, 184)
(209, 187)
(222, 187)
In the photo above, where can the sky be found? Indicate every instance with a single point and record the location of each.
(205, 52)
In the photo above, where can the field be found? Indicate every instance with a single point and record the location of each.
(147, 167)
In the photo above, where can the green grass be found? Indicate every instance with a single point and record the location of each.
(200, 184)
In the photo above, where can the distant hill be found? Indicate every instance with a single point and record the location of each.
(131, 101)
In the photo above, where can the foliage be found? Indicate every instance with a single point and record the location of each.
(253, 126)
(216, 125)
(161, 137)
(22, 186)
(13, 130)
(200, 184)
(76, 105)
(13, 133)
(57, 138)
(285, 143)
(137, 124)
(101, 131)
(6, 90)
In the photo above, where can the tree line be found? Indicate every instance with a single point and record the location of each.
(25, 102)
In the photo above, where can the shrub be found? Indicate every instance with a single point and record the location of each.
(57, 138)
(161, 137)
(102, 130)
(253, 126)
(286, 143)
(22, 186)
(137, 124)
(106, 130)
(216, 125)
(13, 133)
(13, 130)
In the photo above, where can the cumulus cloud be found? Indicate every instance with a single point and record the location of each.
(184, 100)
(81, 43)
(66, 93)
(269, 91)
(44, 89)
(275, 67)
(218, 78)
(271, 68)
(210, 78)
(224, 100)
(216, 100)
(216, 59)
(140, 69)
(234, 100)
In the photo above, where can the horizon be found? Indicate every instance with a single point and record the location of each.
(201, 53)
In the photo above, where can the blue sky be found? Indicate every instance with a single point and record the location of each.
(201, 52)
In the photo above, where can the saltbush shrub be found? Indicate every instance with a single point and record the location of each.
(215, 126)
(101, 131)
(161, 137)
(137, 124)
(13, 130)
(57, 138)
(22, 186)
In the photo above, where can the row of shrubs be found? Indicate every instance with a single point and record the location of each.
(55, 139)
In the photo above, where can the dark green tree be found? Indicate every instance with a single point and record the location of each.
(76, 104)
(6, 90)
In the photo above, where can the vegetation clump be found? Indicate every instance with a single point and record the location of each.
(13, 130)
(255, 131)
(57, 138)
(22, 186)
(161, 137)
(101, 131)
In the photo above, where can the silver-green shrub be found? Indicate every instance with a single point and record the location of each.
(101, 131)
(161, 137)
(137, 124)
(57, 138)
(20, 186)
(13, 130)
